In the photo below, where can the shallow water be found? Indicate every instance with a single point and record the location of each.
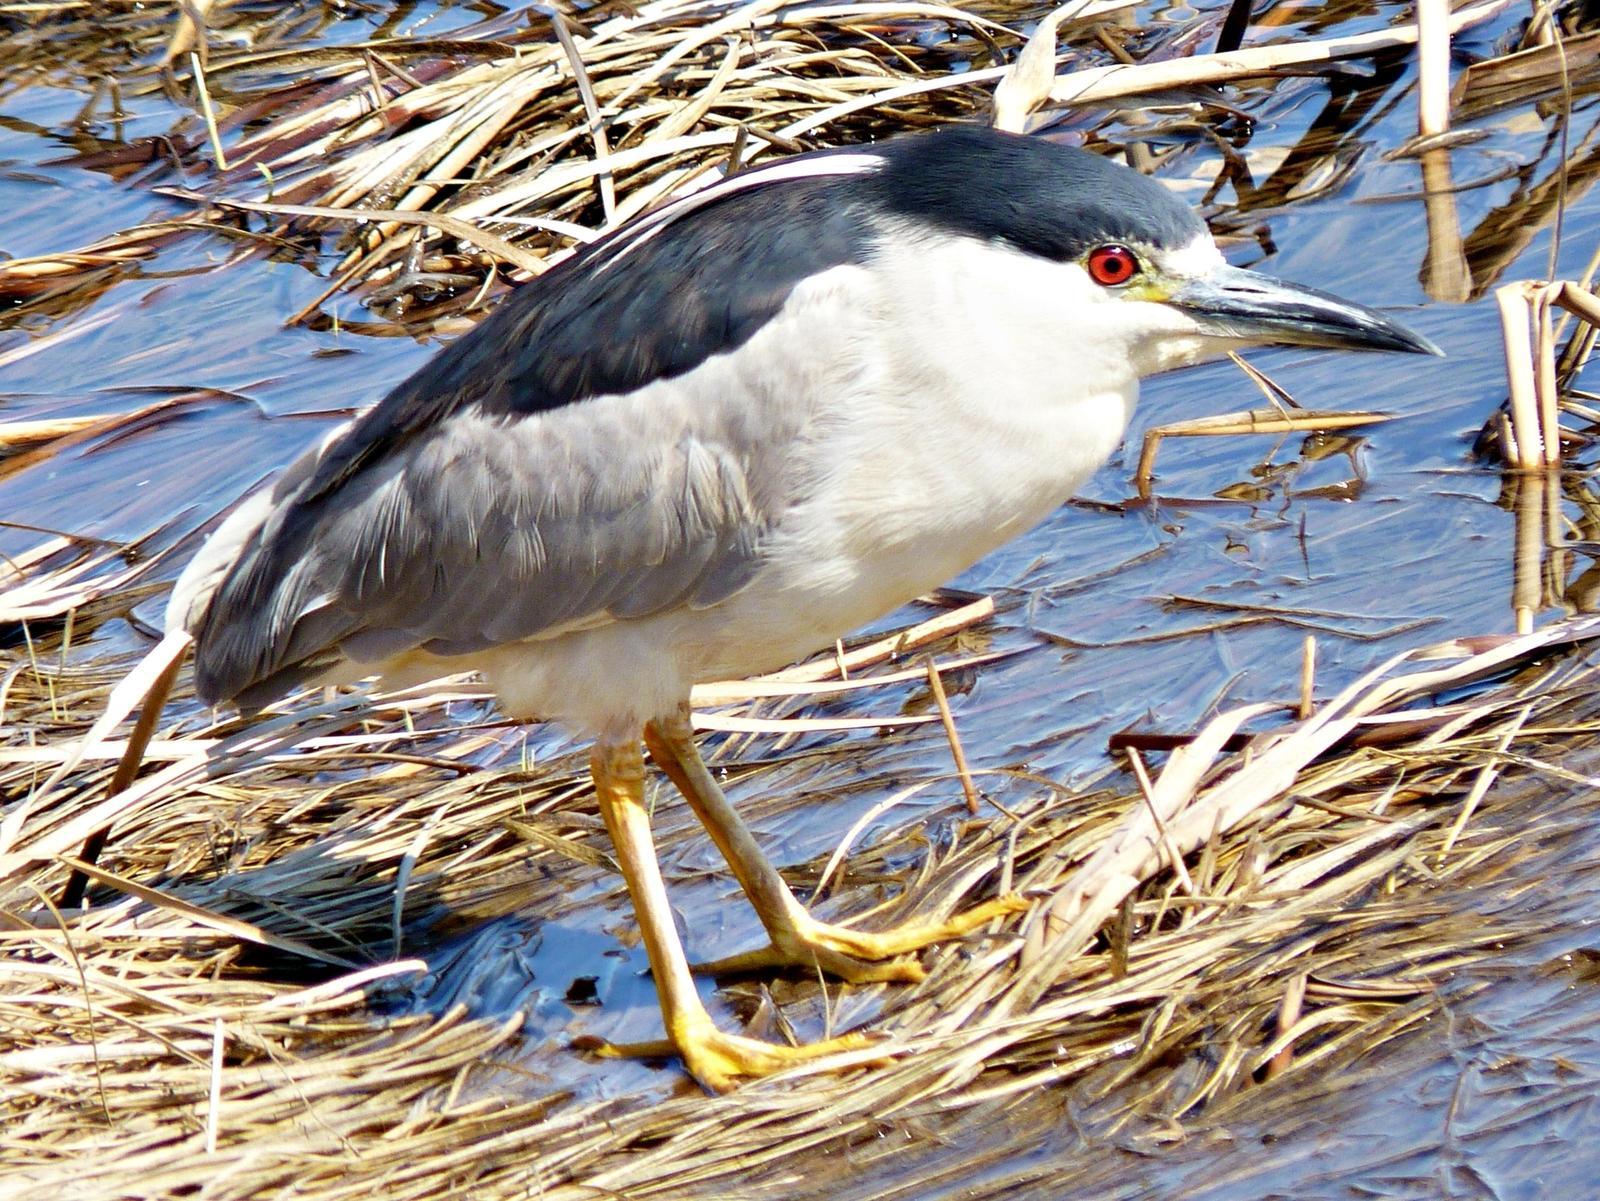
(1125, 614)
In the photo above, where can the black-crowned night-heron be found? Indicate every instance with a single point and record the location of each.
(716, 440)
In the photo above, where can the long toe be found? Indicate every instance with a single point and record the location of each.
(719, 1061)
(815, 957)
(913, 936)
(857, 956)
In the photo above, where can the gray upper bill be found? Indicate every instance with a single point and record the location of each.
(1236, 303)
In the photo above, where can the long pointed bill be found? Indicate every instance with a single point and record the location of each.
(1234, 303)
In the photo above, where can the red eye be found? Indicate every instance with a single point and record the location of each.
(1112, 265)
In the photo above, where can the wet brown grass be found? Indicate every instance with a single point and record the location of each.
(151, 1050)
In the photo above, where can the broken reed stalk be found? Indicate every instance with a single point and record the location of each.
(936, 686)
(1308, 677)
(1532, 377)
(1294, 995)
(1251, 421)
(208, 111)
(1527, 450)
(1433, 67)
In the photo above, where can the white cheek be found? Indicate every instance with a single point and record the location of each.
(1116, 336)
(1163, 338)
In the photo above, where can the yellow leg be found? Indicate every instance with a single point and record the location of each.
(798, 939)
(713, 1058)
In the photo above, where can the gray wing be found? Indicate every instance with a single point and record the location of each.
(492, 530)
(593, 451)
(498, 530)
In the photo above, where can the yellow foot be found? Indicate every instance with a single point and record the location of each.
(858, 956)
(718, 1060)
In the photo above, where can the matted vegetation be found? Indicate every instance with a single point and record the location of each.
(154, 1055)
(219, 1020)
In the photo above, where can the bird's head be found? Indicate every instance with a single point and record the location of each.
(1134, 270)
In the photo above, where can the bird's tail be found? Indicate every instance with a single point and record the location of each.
(238, 590)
